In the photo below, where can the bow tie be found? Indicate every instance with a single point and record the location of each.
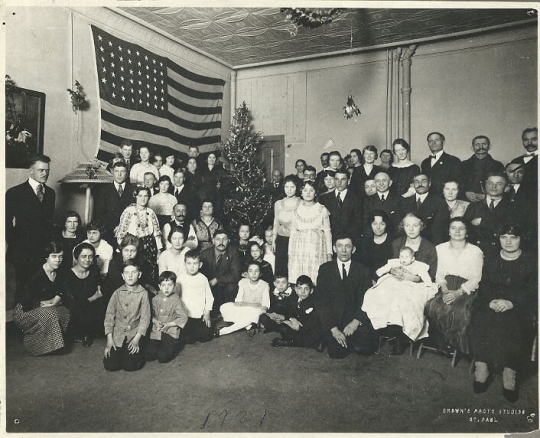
(433, 156)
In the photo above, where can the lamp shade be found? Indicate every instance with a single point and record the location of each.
(87, 173)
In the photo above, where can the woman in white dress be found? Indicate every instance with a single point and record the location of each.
(163, 202)
(310, 244)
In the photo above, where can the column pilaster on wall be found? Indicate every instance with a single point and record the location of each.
(406, 89)
(233, 94)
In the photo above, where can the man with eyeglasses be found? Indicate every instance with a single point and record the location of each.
(488, 215)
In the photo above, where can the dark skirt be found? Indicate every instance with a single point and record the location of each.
(282, 255)
(149, 253)
(44, 328)
(452, 320)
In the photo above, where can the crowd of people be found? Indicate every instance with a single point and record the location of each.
(444, 252)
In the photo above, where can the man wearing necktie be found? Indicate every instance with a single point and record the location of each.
(345, 207)
(488, 215)
(126, 149)
(341, 285)
(440, 166)
(432, 209)
(112, 200)
(29, 214)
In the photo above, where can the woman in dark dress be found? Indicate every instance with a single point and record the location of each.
(403, 170)
(71, 235)
(375, 249)
(503, 312)
(367, 170)
(40, 313)
(211, 177)
(83, 295)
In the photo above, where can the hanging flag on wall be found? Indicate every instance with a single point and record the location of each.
(153, 101)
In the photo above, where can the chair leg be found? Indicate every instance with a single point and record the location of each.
(454, 358)
(471, 366)
(419, 352)
(412, 348)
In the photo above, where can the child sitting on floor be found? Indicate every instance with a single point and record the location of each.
(169, 315)
(303, 328)
(252, 300)
(282, 304)
(126, 321)
(198, 299)
(255, 253)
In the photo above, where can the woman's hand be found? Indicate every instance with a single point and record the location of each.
(110, 345)
(97, 295)
(501, 305)
(450, 296)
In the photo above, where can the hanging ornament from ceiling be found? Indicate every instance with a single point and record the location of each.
(310, 18)
(350, 109)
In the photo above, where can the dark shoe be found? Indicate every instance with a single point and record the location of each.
(216, 333)
(320, 348)
(278, 342)
(480, 387)
(252, 330)
(511, 395)
(87, 341)
(399, 346)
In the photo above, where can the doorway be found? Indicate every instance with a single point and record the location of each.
(272, 155)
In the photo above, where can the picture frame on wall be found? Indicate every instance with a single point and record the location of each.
(25, 119)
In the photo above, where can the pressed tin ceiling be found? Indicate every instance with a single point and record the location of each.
(243, 36)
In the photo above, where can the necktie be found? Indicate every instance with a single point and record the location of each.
(127, 163)
(40, 192)
(512, 192)
(382, 198)
(492, 205)
(120, 190)
(339, 201)
(418, 204)
(218, 260)
(343, 272)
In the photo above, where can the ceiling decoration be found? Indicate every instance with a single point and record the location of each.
(240, 36)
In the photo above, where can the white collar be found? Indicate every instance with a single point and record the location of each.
(34, 184)
(495, 201)
(178, 189)
(340, 265)
(343, 193)
(385, 194)
(421, 197)
(123, 185)
(437, 155)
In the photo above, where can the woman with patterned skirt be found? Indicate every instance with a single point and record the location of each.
(40, 314)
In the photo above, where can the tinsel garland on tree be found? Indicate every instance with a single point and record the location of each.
(246, 193)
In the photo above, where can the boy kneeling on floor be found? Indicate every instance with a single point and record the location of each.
(126, 321)
(169, 316)
(303, 328)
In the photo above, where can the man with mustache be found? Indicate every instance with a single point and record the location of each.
(476, 169)
(179, 220)
(221, 265)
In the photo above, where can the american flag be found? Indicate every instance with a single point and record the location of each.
(153, 101)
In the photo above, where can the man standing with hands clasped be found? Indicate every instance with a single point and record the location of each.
(342, 284)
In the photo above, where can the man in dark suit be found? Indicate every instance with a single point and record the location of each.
(126, 149)
(432, 209)
(276, 188)
(488, 215)
(440, 166)
(345, 208)
(341, 285)
(476, 169)
(185, 195)
(113, 200)
(221, 265)
(529, 138)
(389, 202)
(29, 214)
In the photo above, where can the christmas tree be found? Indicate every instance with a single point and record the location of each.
(246, 193)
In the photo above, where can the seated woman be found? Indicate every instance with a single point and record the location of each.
(400, 302)
(70, 236)
(376, 249)
(141, 222)
(206, 225)
(83, 295)
(104, 251)
(40, 313)
(252, 301)
(456, 206)
(162, 203)
(173, 259)
(459, 271)
(424, 252)
(502, 312)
